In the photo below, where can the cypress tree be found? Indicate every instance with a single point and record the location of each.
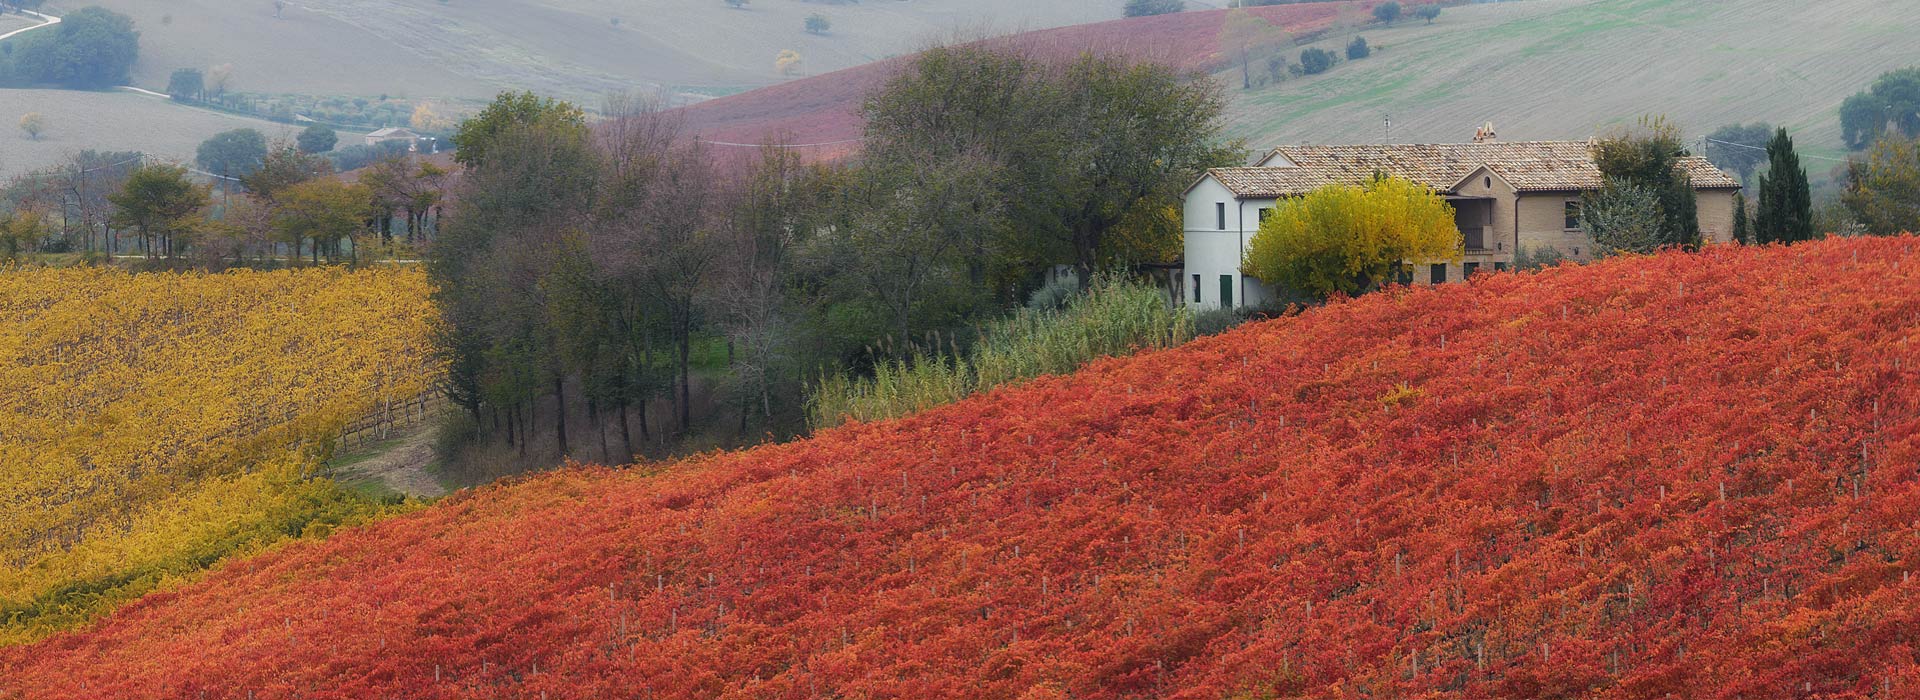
(1786, 203)
(1741, 230)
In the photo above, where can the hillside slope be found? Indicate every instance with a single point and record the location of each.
(824, 109)
(1538, 69)
(1564, 69)
(114, 121)
(1686, 473)
(578, 49)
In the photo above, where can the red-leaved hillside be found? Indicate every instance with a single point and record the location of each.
(823, 112)
(1690, 475)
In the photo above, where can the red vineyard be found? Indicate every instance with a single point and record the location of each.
(1691, 475)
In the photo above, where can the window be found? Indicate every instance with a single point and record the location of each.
(1220, 215)
(1196, 289)
(1467, 269)
(1499, 267)
(1404, 275)
(1226, 291)
(1264, 213)
(1573, 214)
(1438, 274)
(1487, 182)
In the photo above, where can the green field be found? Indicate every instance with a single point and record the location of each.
(1560, 69)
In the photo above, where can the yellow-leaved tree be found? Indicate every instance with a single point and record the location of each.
(1348, 239)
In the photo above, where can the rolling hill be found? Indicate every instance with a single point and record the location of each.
(1537, 69)
(1689, 474)
(578, 49)
(111, 121)
(1565, 69)
(823, 111)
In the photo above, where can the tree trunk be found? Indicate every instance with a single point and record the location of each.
(646, 433)
(593, 421)
(560, 412)
(626, 435)
(686, 377)
(512, 415)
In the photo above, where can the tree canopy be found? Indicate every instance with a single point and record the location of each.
(159, 202)
(317, 139)
(235, 153)
(509, 110)
(90, 48)
(1883, 189)
(1893, 101)
(1648, 156)
(1144, 8)
(1739, 147)
(1348, 239)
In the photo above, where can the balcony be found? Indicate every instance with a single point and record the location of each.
(1475, 239)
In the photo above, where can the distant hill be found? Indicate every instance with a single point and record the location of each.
(1561, 69)
(579, 49)
(111, 121)
(1684, 475)
(1537, 69)
(824, 109)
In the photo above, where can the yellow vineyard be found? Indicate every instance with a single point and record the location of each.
(153, 424)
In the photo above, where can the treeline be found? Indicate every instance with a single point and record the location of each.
(272, 204)
(90, 48)
(674, 297)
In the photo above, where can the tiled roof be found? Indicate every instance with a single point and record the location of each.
(1530, 166)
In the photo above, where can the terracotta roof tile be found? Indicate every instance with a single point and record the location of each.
(1530, 166)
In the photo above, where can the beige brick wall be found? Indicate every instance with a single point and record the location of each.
(1543, 224)
(1716, 216)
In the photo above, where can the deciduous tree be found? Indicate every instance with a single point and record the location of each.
(1348, 239)
(1648, 156)
(1883, 189)
(1739, 148)
(33, 124)
(233, 154)
(317, 139)
(509, 111)
(161, 203)
(1145, 8)
(324, 213)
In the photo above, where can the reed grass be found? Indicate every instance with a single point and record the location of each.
(1116, 316)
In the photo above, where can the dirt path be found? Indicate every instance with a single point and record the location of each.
(402, 465)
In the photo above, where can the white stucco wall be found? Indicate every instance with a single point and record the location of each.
(1213, 252)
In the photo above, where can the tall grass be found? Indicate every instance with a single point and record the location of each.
(1115, 317)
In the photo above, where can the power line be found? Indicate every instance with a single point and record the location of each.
(1704, 139)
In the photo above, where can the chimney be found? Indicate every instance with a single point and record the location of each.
(1485, 134)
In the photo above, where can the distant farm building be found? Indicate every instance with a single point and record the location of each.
(1506, 196)
(394, 133)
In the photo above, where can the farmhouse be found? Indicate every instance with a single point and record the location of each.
(1506, 196)
(394, 134)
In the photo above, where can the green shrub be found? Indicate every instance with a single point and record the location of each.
(1116, 316)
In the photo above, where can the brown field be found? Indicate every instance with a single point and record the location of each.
(475, 48)
(109, 121)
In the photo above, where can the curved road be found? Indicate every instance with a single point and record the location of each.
(45, 21)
